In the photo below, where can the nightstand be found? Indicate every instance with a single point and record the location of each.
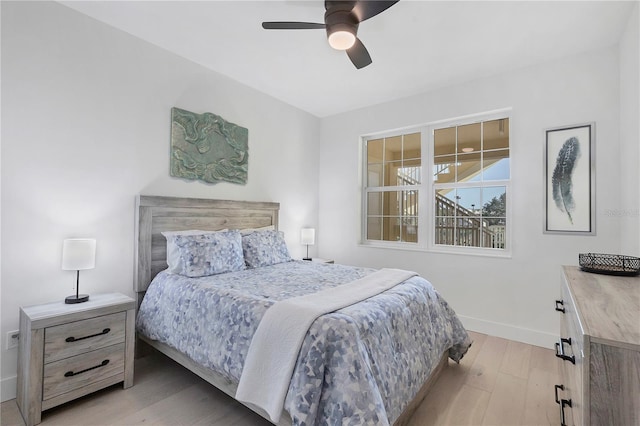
(70, 350)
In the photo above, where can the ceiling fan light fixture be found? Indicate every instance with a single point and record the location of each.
(341, 39)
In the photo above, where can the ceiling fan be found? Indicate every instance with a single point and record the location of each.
(341, 21)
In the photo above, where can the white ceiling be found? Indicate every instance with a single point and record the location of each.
(416, 46)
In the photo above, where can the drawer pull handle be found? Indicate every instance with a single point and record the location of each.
(560, 308)
(560, 351)
(563, 403)
(75, 339)
(561, 387)
(71, 373)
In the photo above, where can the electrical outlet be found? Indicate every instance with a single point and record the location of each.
(13, 338)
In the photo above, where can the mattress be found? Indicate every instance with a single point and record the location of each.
(358, 365)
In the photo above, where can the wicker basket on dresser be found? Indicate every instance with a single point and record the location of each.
(600, 349)
(67, 351)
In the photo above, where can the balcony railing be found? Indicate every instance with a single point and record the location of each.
(457, 225)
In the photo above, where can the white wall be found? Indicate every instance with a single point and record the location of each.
(512, 297)
(629, 211)
(85, 127)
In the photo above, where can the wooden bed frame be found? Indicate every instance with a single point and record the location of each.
(155, 214)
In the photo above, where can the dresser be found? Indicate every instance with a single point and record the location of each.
(599, 347)
(70, 350)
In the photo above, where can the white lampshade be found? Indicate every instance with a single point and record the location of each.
(78, 254)
(308, 236)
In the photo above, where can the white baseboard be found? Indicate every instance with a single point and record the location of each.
(524, 335)
(8, 388)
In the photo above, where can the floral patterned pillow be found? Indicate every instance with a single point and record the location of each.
(264, 248)
(206, 254)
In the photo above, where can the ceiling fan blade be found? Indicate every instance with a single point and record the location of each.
(368, 9)
(359, 54)
(292, 25)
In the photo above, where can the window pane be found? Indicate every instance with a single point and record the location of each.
(445, 202)
(494, 211)
(496, 134)
(498, 235)
(444, 169)
(445, 230)
(410, 229)
(374, 175)
(469, 201)
(469, 166)
(411, 146)
(391, 229)
(447, 212)
(469, 138)
(391, 173)
(374, 228)
(469, 231)
(444, 141)
(411, 172)
(391, 203)
(409, 203)
(374, 151)
(374, 204)
(393, 149)
(494, 201)
(496, 165)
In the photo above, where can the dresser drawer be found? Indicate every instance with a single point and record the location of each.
(78, 337)
(82, 370)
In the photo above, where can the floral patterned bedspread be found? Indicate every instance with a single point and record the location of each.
(359, 365)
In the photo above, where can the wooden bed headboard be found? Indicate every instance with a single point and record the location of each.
(156, 214)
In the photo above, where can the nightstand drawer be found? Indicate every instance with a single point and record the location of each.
(82, 370)
(78, 337)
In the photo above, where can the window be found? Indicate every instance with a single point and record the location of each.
(462, 205)
(470, 175)
(394, 175)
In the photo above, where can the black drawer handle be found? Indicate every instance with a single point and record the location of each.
(560, 351)
(561, 387)
(71, 373)
(563, 403)
(561, 307)
(75, 339)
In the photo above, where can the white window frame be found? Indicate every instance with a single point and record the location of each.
(426, 189)
(403, 245)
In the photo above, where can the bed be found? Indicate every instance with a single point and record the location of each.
(369, 362)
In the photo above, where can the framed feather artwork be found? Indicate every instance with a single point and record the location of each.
(570, 180)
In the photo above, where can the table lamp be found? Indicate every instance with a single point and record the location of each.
(308, 237)
(78, 254)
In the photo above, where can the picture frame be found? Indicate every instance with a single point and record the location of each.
(569, 162)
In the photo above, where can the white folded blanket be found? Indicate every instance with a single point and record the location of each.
(275, 346)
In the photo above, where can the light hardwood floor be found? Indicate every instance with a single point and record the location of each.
(499, 382)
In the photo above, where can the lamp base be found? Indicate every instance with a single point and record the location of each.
(306, 258)
(76, 298)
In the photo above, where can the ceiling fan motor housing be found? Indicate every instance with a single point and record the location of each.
(341, 20)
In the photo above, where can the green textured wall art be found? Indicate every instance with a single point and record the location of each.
(206, 147)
